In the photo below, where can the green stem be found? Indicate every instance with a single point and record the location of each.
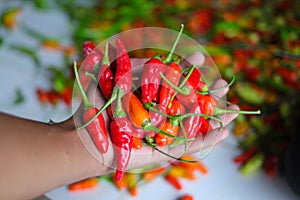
(149, 107)
(87, 103)
(202, 115)
(92, 76)
(184, 134)
(168, 59)
(182, 84)
(153, 146)
(119, 112)
(184, 92)
(227, 111)
(109, 101)
(105, 59)
(218, 89)
(150, 127)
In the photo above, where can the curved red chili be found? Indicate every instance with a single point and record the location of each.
(92, 56)
(97, 129)
(121, 135)
(105, 76)
(123, 76)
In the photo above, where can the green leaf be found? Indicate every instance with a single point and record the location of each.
(19, 97)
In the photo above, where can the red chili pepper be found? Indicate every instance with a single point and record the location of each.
(123, 76)
(204, 127)
(170, 127)
(207, 104)
(87, 48)
(121, 131)
(173, 74)
(245, 156)
(173, 181)
(176, 108)
(92, 56)
(193, 80)
(96, 129)
(121, 135)
(105, 76)
(192, 124)
(151, 79)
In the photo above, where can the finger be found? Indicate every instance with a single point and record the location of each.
(226, 118)
(217, 85)
(196, 58)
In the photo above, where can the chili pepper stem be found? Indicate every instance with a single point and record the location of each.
(184, 134)
(184, 91)
(119, 112)
(168, 59)
(207, 91)
(109, 101)
(219, 111)
(87, 103)
(149, 107)
(203, 115)
(92, 76)
(149, 127)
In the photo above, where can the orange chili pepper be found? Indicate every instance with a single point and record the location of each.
(173, 181)
(150, 175)
(51, 45)
(121, 184)
(192, 166)
(182, 172)
(137, 143)
(135, 109)
(83, 184)
(170, 127)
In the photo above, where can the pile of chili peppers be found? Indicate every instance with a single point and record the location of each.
(172, 106)
(172, 174)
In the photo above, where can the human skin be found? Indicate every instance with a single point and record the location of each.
(37, 157)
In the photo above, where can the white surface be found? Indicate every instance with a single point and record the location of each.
(223, 181)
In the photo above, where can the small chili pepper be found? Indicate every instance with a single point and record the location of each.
(245, 156)
(132, 181)
(151, 73)
(171, 127)
(151, 79)
(176, 108)
(137, 142)
(192, 166)
(121, 131)
(96, 129)
(150, 175)
(88, 47)
(205, 127)
(123, 76)
(172, 75)
(186, 197)
(253, 164)
(83, 184)
(181, 172)
(173, 181)
(192, 123)
(105, 76)
(135, 110)
(122, 183)
(271, 164)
